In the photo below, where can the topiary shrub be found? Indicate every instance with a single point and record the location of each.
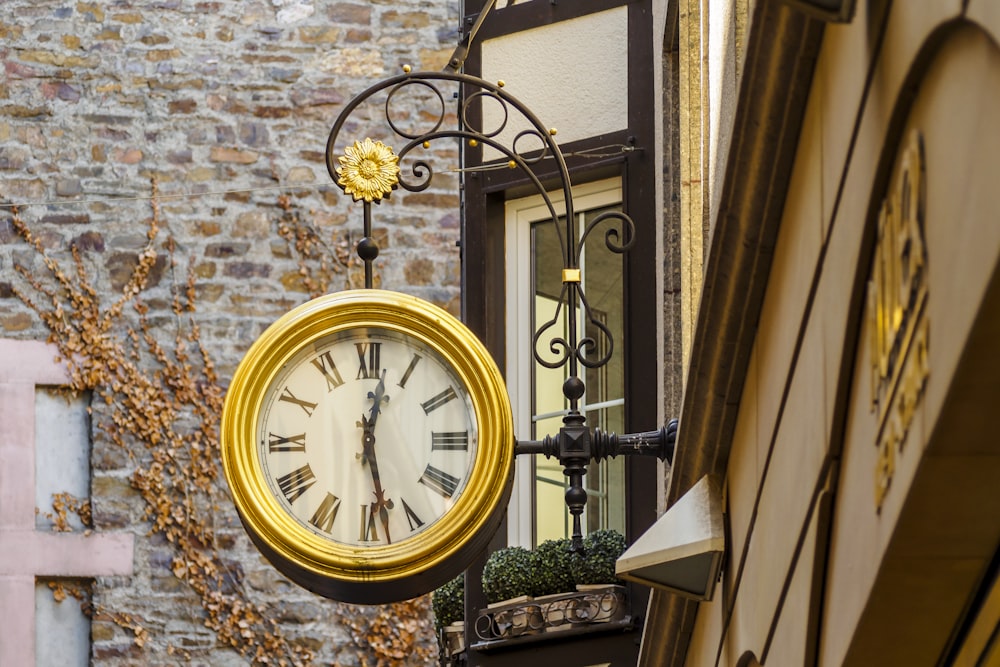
(509, 573)
(448, 602)
(596, 565)
(552, 564)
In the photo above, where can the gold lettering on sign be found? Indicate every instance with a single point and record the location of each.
(897, 295)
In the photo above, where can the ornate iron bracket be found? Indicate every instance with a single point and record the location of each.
(370, 171)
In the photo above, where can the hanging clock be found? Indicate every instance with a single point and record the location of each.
(368, 443)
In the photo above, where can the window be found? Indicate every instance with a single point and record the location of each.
(534, 264)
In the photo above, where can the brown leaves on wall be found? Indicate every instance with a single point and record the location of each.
(161, 403)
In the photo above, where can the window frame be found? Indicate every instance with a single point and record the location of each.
(483, 289)
(519, 216)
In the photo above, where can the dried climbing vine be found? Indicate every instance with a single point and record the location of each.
(161, 403)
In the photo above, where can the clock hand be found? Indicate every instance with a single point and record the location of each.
(382, 505)
(378, 397)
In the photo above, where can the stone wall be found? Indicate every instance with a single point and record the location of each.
(227, 105)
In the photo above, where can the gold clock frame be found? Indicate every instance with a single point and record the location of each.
(381, 573)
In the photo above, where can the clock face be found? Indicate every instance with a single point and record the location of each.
(367, 437)
(367, 440)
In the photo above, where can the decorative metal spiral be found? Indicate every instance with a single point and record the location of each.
(370, 170)
(526, 150)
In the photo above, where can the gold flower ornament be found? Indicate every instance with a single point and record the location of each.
(368, 170)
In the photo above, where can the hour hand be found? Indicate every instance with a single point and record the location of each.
(377, 397)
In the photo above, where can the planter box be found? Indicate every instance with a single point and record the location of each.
(552, 613)
(516, 617)
(556, 609)
(454, 638)
(601, 603)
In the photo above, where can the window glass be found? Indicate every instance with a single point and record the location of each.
(540, 511)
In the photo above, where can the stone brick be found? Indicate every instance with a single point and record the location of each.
(127, 17)
(121, 265)
(433, 199)
(68, 187)
(101, 631)
(246, 270)
(109, 34)
(305, 97)
(408, 20)
(16, 322)
(182, 156)
(358, 36)
(10, 31)
(344, 12)
(208, 293)
(300, 175)
(90, 241)
(227, 249)
(16, 70)
(126, 155)
(253, 134)
(182, 106)
(323, 35)
(12, 157)
(205, 228)
(154, 40)
(419, 271)
(90, 11)
(58, 59)
(21, 111)
(272, 112)
(204, 270)
(252, 224)
(233, 155)
(202, 174)
(106, 486)
(292, 281)
(285, 74)
(159, 55)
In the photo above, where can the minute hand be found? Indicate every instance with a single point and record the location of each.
(381, 504)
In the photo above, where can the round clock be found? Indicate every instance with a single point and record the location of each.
(368, 444)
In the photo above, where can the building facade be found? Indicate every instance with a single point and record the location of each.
(837, 383)
(223, 108)
(824, 290)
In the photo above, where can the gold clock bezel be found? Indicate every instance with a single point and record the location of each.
(379, 573)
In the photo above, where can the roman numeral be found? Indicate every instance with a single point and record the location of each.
(293, 443)
(439, 481)
(295, 483)
(450, 441)
(288, 397)
(368, 368)
(324, 363)
(411, 516)
(326, 513)
(439, 400)
(409, 369)
(369, 533)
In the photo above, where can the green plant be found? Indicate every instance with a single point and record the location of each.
(552, 567)
(596, 565)
(448, 602)
(509, 573)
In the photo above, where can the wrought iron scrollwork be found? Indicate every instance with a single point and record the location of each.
(575, 445)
